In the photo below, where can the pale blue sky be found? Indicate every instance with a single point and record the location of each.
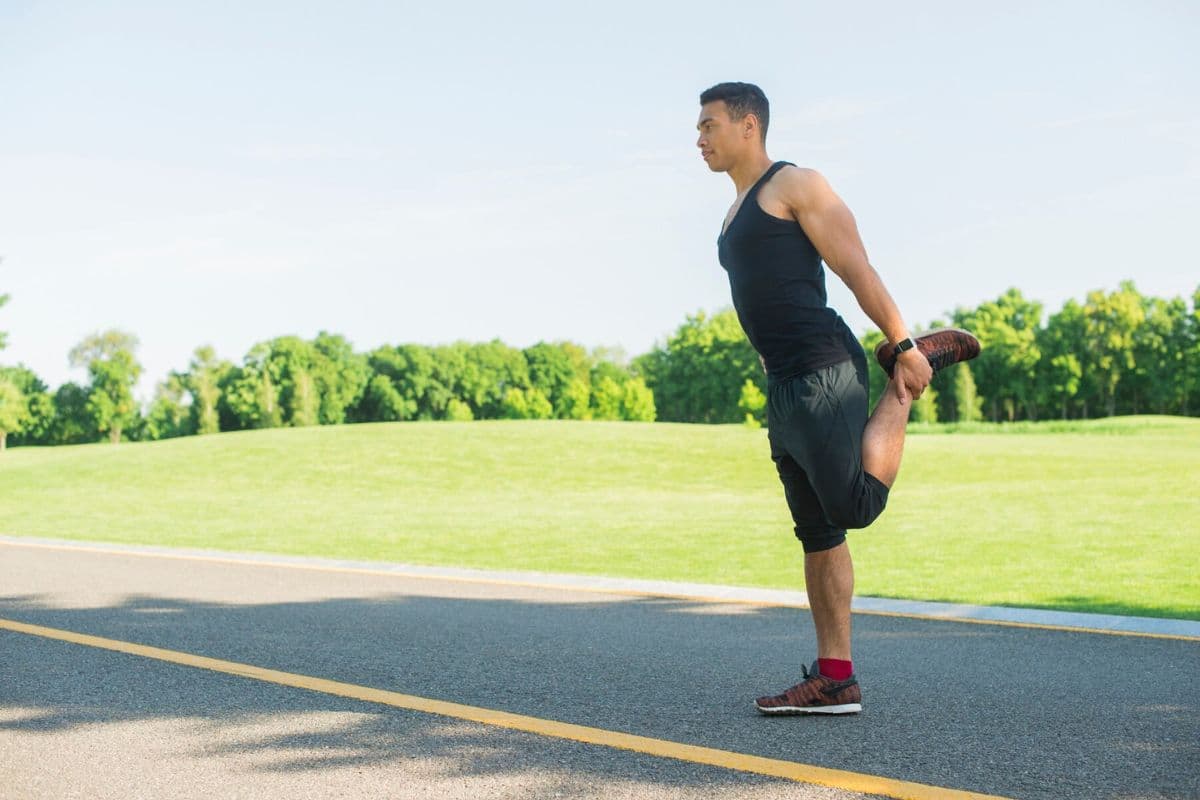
(223, 173)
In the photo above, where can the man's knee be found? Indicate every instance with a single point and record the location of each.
(817, 540)
(859, 515)
(861, 506)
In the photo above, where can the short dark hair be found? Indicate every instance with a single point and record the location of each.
(741, 99)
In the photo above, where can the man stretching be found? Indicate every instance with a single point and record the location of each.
(836, 465)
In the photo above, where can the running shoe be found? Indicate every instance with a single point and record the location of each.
(816, 694)
(943, 347)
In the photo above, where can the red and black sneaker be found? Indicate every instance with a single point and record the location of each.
(943, 347)
(816, 694)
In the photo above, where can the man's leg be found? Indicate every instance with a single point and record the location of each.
(815, 425)
(829, 579)
(851, 475)
(828, 570)
(829, 574)
(883, 438)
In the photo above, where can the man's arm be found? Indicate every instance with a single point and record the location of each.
(831, 228)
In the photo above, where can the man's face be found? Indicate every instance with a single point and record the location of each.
(721, 138)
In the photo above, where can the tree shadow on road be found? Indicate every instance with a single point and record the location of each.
(946, 703)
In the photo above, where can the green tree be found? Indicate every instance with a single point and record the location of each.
(14, 410)
(1191, 355)
(525, 404)
(754, 403)
(381, 402)
(458, 411)
(877, 379)
(637, 401)
(451, 372)
(39, 402)
(608, 369)
(289, 364)
(1160, 343)
(968, 405)
(555, 369)
(1064, 377)
(111, 400)
(492, 368)
(1060, 372)
(250, 393)
(109, 359)
(631, 398)
(480, 374)
(404, 386)
(697, 375)
(1005, 371)
(606, 399)
(576, 403)
(170, 414)
(340, 377)
(924, 408)
(71, 422)
(1110, 322)
(303, 404)
(290, 381)
(514, 405)
(203, 381)
(538, 405)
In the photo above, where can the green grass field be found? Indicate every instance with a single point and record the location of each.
(1099, 516)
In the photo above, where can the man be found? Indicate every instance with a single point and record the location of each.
(836, 465)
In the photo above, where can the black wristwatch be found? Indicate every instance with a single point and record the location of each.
(904, 344)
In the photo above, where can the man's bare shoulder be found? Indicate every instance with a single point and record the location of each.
(802, 178)
(804, 186)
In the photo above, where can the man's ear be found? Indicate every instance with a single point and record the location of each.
(751, 122)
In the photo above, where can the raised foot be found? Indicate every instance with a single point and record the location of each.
(943, 347)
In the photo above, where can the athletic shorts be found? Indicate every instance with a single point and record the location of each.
(815, 424)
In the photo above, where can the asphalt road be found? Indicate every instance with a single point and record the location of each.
(1018, 712)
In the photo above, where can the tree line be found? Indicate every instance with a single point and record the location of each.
(1116, 352)
(294, 382)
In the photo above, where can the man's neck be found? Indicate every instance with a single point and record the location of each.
(744, 174)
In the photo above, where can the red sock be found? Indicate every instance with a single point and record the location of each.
(835, 668)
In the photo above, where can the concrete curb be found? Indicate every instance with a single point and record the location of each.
(1101, 623)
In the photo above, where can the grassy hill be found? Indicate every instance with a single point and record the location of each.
(1099, 516)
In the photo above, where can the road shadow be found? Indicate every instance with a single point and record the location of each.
(1020, 712)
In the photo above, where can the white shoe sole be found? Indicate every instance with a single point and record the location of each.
(844, 708)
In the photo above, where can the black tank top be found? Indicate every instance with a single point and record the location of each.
(778, 287)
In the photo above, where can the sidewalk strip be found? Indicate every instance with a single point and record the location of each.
(952, 612)
(742, 762)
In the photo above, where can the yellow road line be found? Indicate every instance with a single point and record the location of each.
(742, 762)
(700, 598)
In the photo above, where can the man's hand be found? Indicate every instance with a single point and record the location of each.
(911, 375)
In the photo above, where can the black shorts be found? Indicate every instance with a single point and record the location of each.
(815, 424)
